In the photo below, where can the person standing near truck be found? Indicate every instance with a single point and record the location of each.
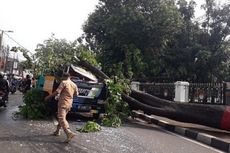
(33, 82)
(67, 89)
(27, 84)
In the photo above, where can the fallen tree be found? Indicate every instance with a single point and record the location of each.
(91, 68)
(217, 116)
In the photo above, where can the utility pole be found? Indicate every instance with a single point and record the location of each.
(1, 51)
(1, 38)
(1, 46)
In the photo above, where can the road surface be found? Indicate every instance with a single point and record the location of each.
(18, 135)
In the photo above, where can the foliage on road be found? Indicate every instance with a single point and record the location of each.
(90, 126)
(116, 109)
(111, 121)
(34, 106)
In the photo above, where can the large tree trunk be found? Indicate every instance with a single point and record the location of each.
(217, 116)
(92, 68)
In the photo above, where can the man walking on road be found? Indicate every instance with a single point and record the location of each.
(67, 89)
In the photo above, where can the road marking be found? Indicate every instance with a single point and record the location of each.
(194, 141)
(183, 137)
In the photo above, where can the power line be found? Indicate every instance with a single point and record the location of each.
(17, 42)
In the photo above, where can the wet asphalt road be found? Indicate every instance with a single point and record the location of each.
(27, 136)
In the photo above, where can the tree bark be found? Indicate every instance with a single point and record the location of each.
(92, 69)
(217, 116)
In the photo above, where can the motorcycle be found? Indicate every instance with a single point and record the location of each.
(2, 99)
(13, 86)
(21, 86)
(13, 89)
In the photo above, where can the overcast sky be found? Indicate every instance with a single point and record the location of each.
(33, 21)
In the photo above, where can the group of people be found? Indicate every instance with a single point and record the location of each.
(26, 84)
(11, 85)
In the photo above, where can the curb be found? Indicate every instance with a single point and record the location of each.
(212, 141)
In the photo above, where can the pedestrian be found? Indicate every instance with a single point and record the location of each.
(8, 91)
(33, 82)
(4, 89)
(67, 89)
(27, 84)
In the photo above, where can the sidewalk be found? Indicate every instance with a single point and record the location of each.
(219, 139)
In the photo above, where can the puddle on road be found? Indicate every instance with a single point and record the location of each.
(6, 114)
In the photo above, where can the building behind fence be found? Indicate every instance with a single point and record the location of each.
(202, 93)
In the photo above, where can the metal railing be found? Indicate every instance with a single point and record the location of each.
(207, 93)
(161, 90)
(202, 93)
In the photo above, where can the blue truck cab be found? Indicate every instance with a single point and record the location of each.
(92, 92)
(90, 99)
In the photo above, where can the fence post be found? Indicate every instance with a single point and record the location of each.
(224, 93)
(135, 85)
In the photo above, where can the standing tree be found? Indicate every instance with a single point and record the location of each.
(217, 29)
(55, 54)
(130, 35)
(199, 53)
(148, 39)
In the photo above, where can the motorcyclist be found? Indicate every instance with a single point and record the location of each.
(4, 89)
(7, 94)
(13, 85)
